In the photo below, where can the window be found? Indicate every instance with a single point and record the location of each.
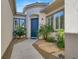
(62, 21)
(16, 23)
(49, 20)
(19, 22)
(56, 20)
(59, 20)
(22, 22)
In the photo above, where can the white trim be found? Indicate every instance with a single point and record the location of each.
(57, 15)
(19, 17)
(34, 17)
(55, 22)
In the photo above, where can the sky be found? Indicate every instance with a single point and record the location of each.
(20, 4)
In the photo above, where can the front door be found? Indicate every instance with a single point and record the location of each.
(34, 27)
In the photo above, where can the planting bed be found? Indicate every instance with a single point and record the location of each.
(49, 50)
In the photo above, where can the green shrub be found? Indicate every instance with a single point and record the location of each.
(60, 40)
(20, 31)
(51, 39)
(44, 31)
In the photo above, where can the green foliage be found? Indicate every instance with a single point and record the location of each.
(20, 31)
(60, 40)
(44, 31)
(51, 39)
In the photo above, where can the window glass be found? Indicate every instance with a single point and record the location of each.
(49, 18)
(52, 21)
(19, 22)
(62, 21)
(22, 23)
(16, 23)
(57, 22)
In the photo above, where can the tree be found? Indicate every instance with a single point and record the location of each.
(44, 31)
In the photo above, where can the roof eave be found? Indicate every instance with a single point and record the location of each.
(33, 5)
(53, 6)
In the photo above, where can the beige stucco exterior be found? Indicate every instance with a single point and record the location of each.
(71, 29)
(6, 25)
(71, 46)
(71, 16)
(34, 13)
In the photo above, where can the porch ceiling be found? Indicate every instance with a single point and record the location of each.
(57, 4)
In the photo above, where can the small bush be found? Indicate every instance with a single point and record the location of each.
(20, 31)
(44, 31)
(60, 40)
(51, 39)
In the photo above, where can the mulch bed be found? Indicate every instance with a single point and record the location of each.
(48, 50)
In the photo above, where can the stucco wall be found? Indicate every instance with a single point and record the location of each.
(71, 17)
(6, 25)
(71, 46)
(30, 12)
(71, 29)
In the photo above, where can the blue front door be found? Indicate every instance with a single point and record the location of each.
(34, 27)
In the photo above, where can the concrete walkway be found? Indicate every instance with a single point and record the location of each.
(25, 50)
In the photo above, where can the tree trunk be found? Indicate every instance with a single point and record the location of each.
(19, 37)
(44, 37)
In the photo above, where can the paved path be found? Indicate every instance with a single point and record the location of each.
(25, 50)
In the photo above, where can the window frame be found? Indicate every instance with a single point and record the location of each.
(58, 14)
(50, 20)
(19, 22)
